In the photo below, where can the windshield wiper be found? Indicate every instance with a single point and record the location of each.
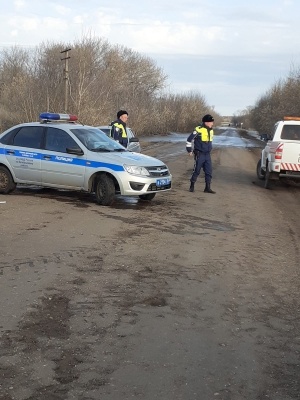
(100, 148)
(120, 150)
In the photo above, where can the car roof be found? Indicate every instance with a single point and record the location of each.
(56, 124)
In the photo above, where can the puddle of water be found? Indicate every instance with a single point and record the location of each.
(224, 137)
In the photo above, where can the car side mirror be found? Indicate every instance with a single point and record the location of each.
(77, 151)
(134, 139)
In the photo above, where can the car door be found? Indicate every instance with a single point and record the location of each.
(133, 142)
(60, 168)
(23, 153)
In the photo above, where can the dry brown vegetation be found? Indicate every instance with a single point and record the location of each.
(101, 80)
(282, 99)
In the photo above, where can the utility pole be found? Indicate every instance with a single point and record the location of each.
(66, 76)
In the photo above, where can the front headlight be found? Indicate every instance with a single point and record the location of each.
(135, 170)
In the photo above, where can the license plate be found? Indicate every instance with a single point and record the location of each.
(162, 182)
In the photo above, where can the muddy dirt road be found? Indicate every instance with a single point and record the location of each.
(190, 296)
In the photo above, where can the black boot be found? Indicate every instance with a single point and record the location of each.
(192, 187)
(208, 189)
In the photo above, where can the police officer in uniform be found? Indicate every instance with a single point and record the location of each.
(118, 128)
(202, 138)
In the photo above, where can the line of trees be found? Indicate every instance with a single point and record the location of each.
(101, 80)
(282, 99)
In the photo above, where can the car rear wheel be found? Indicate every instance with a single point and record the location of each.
(105, 190)
(261, 174)
(148, 197)
(7, 183)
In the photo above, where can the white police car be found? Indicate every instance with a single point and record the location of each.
(61, 153)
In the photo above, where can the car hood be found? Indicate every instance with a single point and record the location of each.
(126, 157)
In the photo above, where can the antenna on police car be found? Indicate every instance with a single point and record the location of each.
(66, 75)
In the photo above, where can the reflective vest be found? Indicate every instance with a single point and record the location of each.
(204, 134)
(123, 133)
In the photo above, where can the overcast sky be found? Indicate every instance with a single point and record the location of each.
(230, 51)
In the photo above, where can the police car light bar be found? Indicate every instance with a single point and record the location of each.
(47, 116)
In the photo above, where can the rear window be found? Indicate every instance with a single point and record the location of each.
(8, 138)
(29, 136)
(290, 132)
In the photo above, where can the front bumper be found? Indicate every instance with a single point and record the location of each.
(131, 185)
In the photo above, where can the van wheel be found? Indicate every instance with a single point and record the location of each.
(261, 174)
(7, 183)
(105, 190)
(148, 197)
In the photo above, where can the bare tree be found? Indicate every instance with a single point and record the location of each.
(283, 98)
(102, 79)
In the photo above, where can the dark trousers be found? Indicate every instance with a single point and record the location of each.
(202, 160)
(123, 142)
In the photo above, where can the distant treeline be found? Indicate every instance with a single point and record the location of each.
(282, 99)
(101, 79)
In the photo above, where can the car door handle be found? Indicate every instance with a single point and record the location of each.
(10, 152)
(47, 157)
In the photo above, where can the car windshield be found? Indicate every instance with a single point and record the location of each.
(96, 140)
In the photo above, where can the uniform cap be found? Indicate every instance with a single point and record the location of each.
(121, 112)
(208, 118)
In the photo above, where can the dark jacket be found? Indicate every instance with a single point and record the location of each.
(202, 138)
(119, 133)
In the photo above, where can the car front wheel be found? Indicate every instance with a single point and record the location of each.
(105, 190)
(6, 181)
